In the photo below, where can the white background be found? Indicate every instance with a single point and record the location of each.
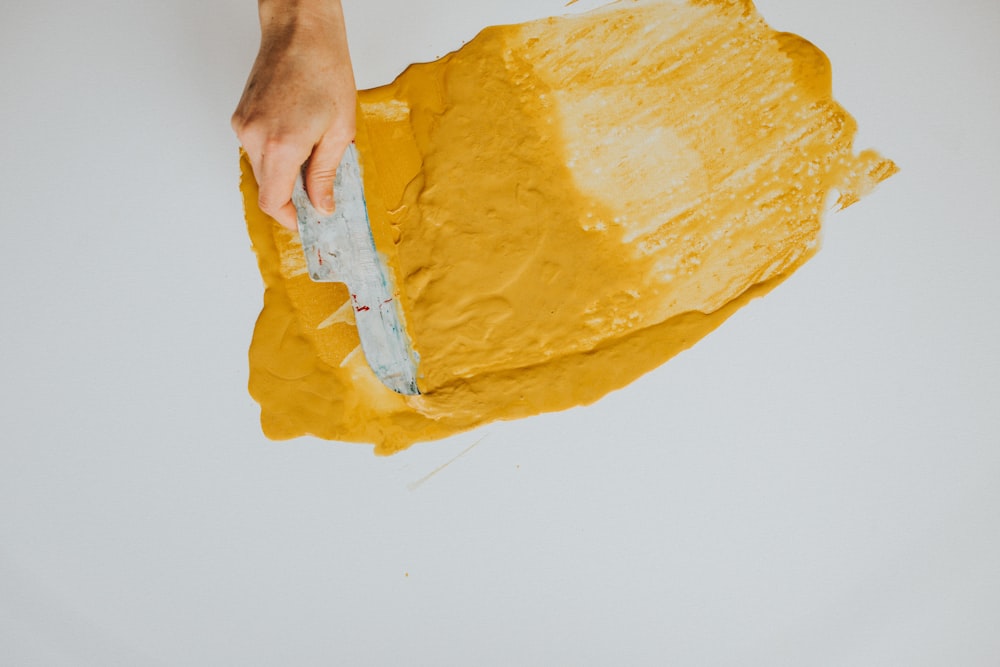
(816, 483)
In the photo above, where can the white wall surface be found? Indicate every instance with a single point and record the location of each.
(816, 483)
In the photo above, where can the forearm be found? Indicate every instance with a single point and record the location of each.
(278, 15)
(304, 22)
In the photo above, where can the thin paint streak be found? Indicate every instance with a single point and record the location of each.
(415, 485)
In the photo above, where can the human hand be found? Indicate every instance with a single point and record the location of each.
(298, 107)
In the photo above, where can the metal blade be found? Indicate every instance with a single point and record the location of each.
(340, 248)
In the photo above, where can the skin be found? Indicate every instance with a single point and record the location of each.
(298, 106)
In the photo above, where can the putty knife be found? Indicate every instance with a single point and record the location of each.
(340, 248)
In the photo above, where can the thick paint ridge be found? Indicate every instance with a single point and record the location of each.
(567, 204)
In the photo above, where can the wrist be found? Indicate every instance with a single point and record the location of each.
(280, 15)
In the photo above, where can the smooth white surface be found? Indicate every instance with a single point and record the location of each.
(816, 483)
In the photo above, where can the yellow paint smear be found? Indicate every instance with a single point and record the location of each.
(566, 204)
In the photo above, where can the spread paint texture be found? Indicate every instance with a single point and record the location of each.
(565, 204)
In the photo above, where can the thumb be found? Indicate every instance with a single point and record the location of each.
(321, 171)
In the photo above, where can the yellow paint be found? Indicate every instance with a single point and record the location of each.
(566, 204)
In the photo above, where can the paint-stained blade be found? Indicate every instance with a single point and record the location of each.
(340, 248)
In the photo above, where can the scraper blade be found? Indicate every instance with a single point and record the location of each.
(340, 248)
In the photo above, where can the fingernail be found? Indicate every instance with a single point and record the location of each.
(327, 204)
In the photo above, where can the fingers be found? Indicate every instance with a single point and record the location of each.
(299, 104)
(322, 169)
(276, 170)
